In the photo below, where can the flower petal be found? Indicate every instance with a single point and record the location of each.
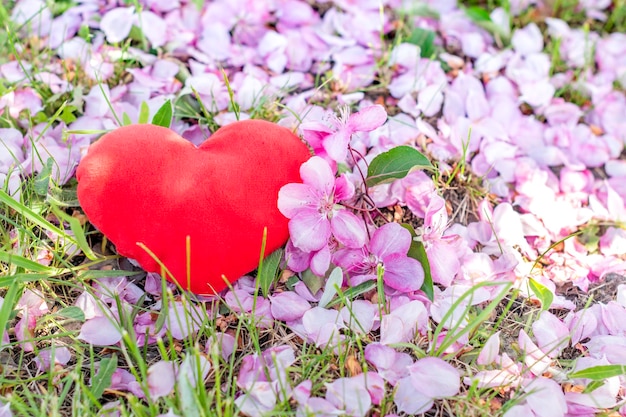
(318, 175)
(403, 273)
(336, 145)
(100, 331)
(309, 230)
(161, 379)
(116, 23)
(294, 197)
(348, 229)
(410, 401)
(435, 377)
(288, 306)
(367, 119)
(390, 239)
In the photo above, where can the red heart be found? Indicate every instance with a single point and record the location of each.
(146, 184)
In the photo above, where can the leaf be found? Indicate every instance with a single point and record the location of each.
(126, 119)
(144, 113)
(600, 372)
(542, 293)
(42, 180)
(72, 312)
(312, 281)
(79, 232)
(425, 39)
(418, 251)
(95, 274)
(163, 116)
(353, 292)
(268, 271)
(27, 264)
(102, 379)
(333, 283)
(67, 115)
(477, 14)
(10, 300)
(394, 164)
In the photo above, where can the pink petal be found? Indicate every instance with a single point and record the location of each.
(161, 379)
(545, 398)
(435, 378)
(318, 175)
(320, 261)
(390, 239)
(349, 394)
(294, 197)
(309, 230)
(367, 119)
(444, 261)
(288, 306)
(152, 28)
(116, 23)
(344, 189)
(490, 350)
(551, 334)
(403, 273)
(360, 316)
(336, 145)
(348, 229)
(224, 343)
(410, 401)
(302, 392)
(100, 331)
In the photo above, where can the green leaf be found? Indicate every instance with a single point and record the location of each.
(95, 274)
(72, 312)
(353, 292)
(27, 264)
(542, 293)
(67, 115)
(144, 113)
(600, 372)
(312, 281)
(269, 270)
(42, 180)
(425, 39)
(477, 14)
(418, 251)
(83, 32)
(10, 300)
(126, 119)
(102, 379)
(333, 283)
(592, 386)
(163, 116)
(394, 164)
(78, 230)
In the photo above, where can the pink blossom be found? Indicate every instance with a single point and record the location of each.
(403, 323)
(161, 379)
(288, 306)
(429, 378)
(60, 355)
(314, 212)
(441, 250)
(388, 249)
(334, 140)
(390, 364)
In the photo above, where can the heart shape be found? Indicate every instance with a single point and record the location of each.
(146, 184)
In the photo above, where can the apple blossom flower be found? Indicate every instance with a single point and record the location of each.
(388, 249)
(314, 211)
(333, 140)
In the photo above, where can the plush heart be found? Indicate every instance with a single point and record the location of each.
(146, 184)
